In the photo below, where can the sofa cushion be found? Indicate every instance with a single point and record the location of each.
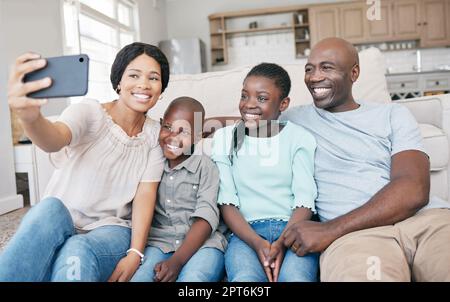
(220, 91)
(436, 144)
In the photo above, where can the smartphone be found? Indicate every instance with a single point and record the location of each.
(69, 76)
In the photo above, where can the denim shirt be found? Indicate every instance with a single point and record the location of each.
(186, 192)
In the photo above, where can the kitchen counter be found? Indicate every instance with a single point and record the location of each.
(413, 84)
(418, 72)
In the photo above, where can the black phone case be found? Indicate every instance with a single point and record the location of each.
(69, 76)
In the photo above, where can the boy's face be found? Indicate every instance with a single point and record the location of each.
(177, 133)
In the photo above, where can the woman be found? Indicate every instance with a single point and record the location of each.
(106, 183)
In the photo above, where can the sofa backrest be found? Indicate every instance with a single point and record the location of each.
(219, 92)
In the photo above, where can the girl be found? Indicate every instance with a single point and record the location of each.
(266, 182)
(94, 222)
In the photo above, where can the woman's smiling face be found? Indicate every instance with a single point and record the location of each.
(140, 86)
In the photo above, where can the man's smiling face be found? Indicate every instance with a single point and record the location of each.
(330, 72)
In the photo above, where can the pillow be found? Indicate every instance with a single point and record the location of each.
(371, 85)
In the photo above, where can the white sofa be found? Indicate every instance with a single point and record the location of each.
(220, 92)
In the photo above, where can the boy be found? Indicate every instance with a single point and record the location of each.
(184, 244)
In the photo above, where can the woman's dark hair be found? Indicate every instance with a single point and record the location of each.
(131, 52)
(282, 80)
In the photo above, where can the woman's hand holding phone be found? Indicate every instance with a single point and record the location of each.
(27, 109)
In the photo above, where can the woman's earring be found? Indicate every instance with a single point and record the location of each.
(118, 89)
(160, 97)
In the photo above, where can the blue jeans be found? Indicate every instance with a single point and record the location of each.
(47, 248)
(206, 265)
(242, 263)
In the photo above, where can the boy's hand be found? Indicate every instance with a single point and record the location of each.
(262, 248)
(126, 268)
(167, 271)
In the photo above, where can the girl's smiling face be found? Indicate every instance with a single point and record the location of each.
(261, 101)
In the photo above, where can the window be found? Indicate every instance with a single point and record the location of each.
(99, 28)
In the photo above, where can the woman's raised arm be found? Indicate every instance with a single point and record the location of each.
(50, 137)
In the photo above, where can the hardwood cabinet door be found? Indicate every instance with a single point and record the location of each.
(383, 29)
(435, 24)
(324, 22)
(407, 23)
(352, 18)
(448, 19)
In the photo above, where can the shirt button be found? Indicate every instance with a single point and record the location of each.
(171, 177)
(194, 187)
(177, 241)
(168, 200)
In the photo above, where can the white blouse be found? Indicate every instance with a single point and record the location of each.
(97, 175)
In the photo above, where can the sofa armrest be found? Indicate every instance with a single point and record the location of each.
(433, 110)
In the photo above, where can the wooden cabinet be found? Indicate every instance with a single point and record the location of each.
(217, 35)
(401, 20)
(448, 19)
(324, 22)
(302, 35)
(424, 20)
(383, 29)
(435, 23)
(297, 23)
(349, 21)
(353, 22)
(407, 18)
(418, 21)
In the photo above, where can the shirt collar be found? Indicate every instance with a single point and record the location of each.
(191, 164)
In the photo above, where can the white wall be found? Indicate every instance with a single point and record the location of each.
(30, 25)
(9, 200)
(25, 26)
(37, 28)
(189, 18)
(152, 19)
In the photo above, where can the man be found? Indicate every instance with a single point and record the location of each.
(373, 181)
